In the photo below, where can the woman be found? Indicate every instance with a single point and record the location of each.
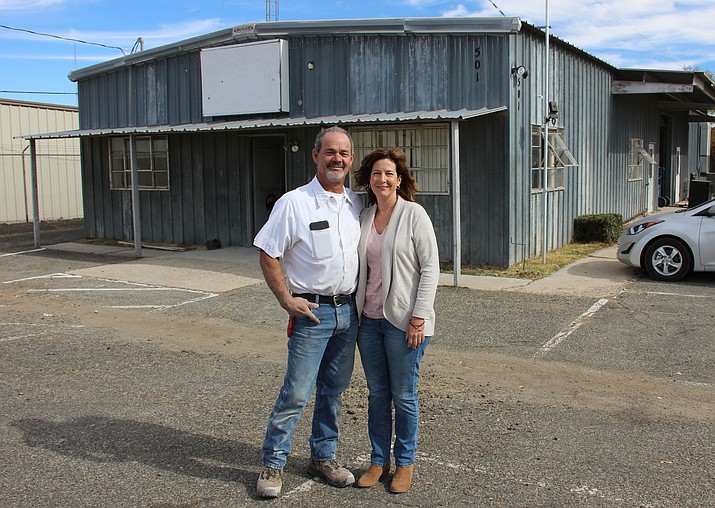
(399, 271)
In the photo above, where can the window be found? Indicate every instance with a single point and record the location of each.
(637, 156)
(152, 163)
(426, 147)
(559, 158)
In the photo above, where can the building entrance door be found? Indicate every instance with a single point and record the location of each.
(269, 179)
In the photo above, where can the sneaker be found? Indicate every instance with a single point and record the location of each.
(332, 472)
(269, 482)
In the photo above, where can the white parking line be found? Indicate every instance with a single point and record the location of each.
(136, 286)
(49, 276)
(204, 295)
(675, 294)
(563, 334)
(22, 252)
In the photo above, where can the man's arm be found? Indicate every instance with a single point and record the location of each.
(275, 278)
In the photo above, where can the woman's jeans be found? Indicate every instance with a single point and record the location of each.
(322, 356)
(392, 371)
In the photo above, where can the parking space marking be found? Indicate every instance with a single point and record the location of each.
(49, 276)
(580, 490)
(135, 286)
(660, 293)
(204, 295)
(572, 327)
(21, 252)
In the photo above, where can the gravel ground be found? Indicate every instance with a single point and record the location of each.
(106, 406)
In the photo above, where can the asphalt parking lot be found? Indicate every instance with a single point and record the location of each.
(148, 383)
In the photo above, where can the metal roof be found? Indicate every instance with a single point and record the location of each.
(341, 27)
(677, 91)
(461, 114)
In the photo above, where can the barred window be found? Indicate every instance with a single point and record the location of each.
(152, 162)
(426, 147)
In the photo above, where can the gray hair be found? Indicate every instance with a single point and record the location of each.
(326, 130)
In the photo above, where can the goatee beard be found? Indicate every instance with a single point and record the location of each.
(335, 177)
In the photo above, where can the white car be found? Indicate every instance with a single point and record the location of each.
(671, 245)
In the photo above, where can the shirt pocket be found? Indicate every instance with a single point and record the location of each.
(321, 240)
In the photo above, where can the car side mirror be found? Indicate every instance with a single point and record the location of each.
(711, 211)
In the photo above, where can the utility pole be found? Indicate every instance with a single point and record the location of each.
(271, 10)
(545, 179)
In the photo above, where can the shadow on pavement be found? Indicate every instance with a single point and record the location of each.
(109, 440)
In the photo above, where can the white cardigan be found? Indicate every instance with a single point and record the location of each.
(410, 265)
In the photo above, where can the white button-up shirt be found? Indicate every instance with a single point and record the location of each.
(316, 234)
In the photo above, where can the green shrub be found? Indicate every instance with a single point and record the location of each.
(603, 227)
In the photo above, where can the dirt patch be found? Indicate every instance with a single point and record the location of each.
(466, 377)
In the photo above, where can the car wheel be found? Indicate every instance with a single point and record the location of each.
(667, 259)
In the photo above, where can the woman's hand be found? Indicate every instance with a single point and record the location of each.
(415, 332)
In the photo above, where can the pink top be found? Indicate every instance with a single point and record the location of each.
(373, 290)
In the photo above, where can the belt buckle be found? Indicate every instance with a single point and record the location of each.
(339, 300)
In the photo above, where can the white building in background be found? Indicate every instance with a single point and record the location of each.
(58, 162)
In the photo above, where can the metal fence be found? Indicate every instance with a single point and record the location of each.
(59, 186)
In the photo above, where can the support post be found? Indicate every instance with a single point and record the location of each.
(456, 205)
(136, 208)
(35, 197)
(545, 179)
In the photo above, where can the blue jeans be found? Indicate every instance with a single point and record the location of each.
(392, 371)
(321, 356)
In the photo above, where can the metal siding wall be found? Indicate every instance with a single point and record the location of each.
(633, 117)
(439, 208)
(588, 114)
(209, 192)
(697, 145)
(484, 187)
(58, 163)
(370, 74)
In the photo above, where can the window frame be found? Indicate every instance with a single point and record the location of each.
(152, 160)
(418, 144)
(637, 155)
(560, 158)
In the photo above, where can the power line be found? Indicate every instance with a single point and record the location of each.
(631, 27)
(63, 38)
(497, 8)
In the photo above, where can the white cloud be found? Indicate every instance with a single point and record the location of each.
(164, 34)
(23, 5)
(638, 33)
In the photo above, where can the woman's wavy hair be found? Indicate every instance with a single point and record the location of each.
(407, 187)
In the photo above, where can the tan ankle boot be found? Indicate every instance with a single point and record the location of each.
(373, 475)
(402, 481)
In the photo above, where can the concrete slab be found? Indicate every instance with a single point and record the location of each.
(199, 269)
(481, 282)
(219, 270)
(177, 275)
(597, 275)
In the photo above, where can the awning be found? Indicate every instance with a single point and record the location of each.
(560, 150)
(267, 123)
(645, 155)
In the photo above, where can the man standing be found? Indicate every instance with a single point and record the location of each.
(315, 230)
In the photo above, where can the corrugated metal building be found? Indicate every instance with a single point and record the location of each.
(60, 190)
(219, 124)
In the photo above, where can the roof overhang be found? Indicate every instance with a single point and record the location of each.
(689, 92)
(268, 123)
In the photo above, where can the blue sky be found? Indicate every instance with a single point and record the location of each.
(661, 34)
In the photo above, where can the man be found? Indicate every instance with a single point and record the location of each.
(315, 230)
